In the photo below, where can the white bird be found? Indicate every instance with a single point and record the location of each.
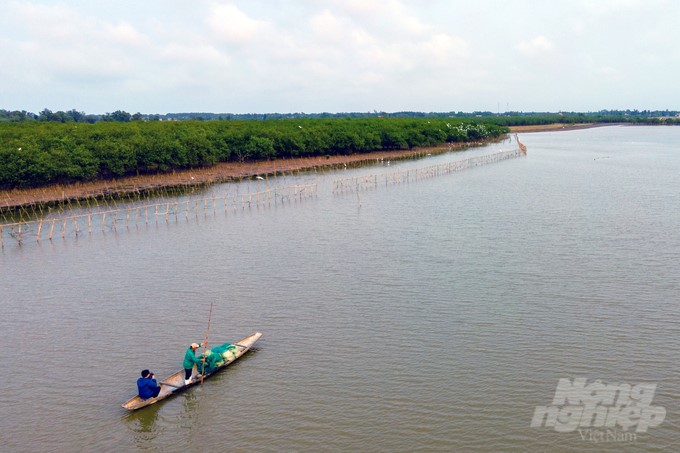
(259, 177)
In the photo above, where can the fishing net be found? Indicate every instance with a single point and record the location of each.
(216, 357)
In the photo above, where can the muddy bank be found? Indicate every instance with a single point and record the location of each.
(222, 172)
(556, 127)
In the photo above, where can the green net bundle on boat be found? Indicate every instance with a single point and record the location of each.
(216, 357)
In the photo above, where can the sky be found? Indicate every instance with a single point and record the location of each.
(311, 56)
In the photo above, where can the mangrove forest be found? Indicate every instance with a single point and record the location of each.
(39, 153)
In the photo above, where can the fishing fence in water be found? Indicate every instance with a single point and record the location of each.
(69, 225)
(74, 223)
(368, 182)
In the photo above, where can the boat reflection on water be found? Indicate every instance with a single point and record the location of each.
(143, 426)
(147, 425)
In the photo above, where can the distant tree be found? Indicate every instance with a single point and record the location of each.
(78, 117)
(46, 115)
(16, 116)
(62, 117)
(119, 116)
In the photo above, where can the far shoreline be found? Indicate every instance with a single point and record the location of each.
(557, 127)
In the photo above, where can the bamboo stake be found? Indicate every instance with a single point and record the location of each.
(207, 337)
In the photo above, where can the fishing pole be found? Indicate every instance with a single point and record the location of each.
(205, 345)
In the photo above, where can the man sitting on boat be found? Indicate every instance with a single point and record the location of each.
(190, 361)
(147, 385)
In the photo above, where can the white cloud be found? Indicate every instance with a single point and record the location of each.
(232, 25)
(47, 22)
(305, 55)
(607, 7)
(329, 27)
(125, 34)
(535, 46)
(191, 55)
(443, 49)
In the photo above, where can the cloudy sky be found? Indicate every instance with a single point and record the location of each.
(257, 56)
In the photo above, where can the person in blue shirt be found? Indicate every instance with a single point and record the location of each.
(147, 385)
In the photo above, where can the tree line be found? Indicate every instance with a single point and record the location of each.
(72, 116)
(506, 118)
(38, 153)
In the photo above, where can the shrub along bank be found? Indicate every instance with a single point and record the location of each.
(34, 154)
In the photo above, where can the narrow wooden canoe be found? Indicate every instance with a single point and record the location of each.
(175, 382)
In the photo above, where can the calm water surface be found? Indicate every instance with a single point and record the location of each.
(429, 316)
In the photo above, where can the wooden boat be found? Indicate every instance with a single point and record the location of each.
(175, 382)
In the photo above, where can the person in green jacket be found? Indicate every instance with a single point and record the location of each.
(190, 360)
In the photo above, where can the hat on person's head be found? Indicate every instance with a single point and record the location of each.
(145, 373)
(195, 345)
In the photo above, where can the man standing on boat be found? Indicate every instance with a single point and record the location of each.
(147, 385)
(190, 360)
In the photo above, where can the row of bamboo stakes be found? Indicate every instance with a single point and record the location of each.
(366, 182)
(158, 212)
(153, 213)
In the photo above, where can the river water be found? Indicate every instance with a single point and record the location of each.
(431, 316)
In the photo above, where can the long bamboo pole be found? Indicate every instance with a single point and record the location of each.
(207, 337)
